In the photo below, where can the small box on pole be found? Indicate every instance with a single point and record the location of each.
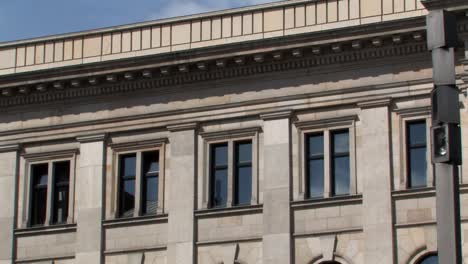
(445, 141)
(445, 108)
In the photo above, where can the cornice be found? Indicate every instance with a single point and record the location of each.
(233, 133)
(160, 78)
(138, 144)
(50, 155)
(329, 122)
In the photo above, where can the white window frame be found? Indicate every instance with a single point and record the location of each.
(406, 118)
(137, 148)
(48, 158)
(325, 126)
(231, 137)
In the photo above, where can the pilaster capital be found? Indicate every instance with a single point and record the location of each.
(10, 148)
(92, 138)
(182, 127)
(375, 103)
(277, 115)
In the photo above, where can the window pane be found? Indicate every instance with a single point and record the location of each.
(62, 172)
(341, 176)
(150, 177)
(244, 152)
(61, 185)
(244, 185)
(417, 167)
(39, 175)
(220, 154)
(316, 176)
(150, 163)
(417, 133)
(128, 165)
(340, 142)
(315, 147)
(219, 175)
(219, 188)
(127, 185)
(151, 195)
(430, 260)
(127, 198)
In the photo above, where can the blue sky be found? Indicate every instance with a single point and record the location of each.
(21, 19)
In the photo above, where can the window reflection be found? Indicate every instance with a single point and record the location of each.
(416, 154)
(40, 175)
(315, 166)
(150, 181)
(219, 175)
(61, 174)
(243, 173)
(127, 185)
(340, 167)
(432, 259)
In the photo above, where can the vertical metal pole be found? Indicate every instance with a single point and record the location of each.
(448, 214)
(447, 179)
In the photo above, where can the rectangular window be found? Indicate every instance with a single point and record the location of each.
(416, 154)
(150, 182)
(40, 177)
(61, 177)
(315, 166)
(243, 173)
(219, 175)
(127, 175)
(340, 166)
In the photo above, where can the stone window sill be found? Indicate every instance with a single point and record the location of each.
(43, 230)
(422, 192)
(414, 193)
(330, 201)
(141, 220)
(234, 210)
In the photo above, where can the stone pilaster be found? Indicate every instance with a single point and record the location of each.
(374, 168)
(89, 197)
(181, 203)
(277, 189)
(8, 175)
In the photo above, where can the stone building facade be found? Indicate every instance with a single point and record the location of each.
(290, 132)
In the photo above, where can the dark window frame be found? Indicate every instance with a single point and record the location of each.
(410, 147)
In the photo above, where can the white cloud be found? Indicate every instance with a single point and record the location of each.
(176, 8)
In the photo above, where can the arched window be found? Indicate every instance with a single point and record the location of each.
(429, 259)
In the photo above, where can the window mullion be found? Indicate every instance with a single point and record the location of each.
(138, 185)
(327, 164)
(50, 193)
(230, 169)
